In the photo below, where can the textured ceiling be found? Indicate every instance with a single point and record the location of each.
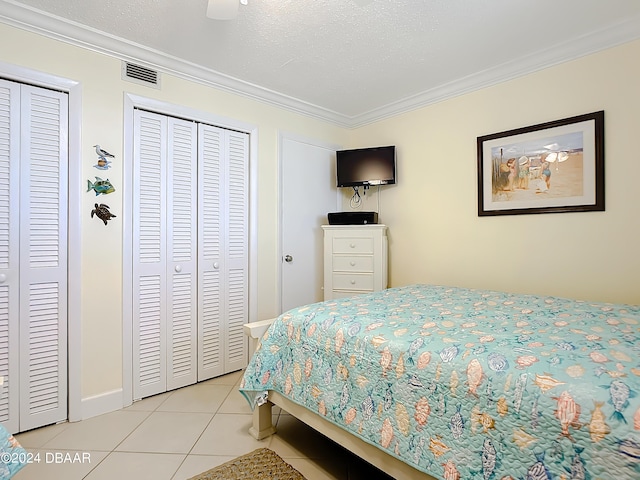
(346, 60)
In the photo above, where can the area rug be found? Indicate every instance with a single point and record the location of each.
(261, 464)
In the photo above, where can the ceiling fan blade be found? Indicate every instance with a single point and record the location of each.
(222, 9)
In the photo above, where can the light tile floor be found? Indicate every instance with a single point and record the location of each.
(178, 434)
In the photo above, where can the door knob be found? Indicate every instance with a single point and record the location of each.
(288, 258)
(3, 278)
(178, 268)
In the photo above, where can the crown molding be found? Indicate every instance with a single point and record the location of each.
(623, 32)
(51, 26)
(58, 28)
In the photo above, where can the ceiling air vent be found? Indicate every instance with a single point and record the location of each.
(141, 75)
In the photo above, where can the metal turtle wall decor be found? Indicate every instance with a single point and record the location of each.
(102, 212)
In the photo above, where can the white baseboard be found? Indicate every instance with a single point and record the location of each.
(103, 403)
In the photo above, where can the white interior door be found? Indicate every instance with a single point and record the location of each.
(308, 193)
(150, 255)
(223, 265)
(33, 256)
(165, 247)
(182, 249)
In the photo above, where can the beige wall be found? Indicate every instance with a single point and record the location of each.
(435, 233)
(102, 122)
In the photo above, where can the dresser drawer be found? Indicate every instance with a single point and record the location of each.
(352, 245)
(346, 263)
(345, 293)
(353, 281)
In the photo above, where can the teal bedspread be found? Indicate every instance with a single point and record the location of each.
(467, 384)
(12, 456)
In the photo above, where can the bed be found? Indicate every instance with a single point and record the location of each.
(452, 383)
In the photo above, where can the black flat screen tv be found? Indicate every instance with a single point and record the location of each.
(366, 166)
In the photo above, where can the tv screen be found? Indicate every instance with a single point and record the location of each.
(366, 166)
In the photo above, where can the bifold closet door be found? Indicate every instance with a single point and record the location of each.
(33, 256)
(223, 250)
(165, 253)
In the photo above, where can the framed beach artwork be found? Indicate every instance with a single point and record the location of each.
(552, 167)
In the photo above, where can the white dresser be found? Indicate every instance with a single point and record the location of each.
(355, 259)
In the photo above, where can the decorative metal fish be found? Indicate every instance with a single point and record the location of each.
(101, 187)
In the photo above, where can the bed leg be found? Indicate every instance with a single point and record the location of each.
(262, 422)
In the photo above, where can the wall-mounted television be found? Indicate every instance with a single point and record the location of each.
(366, 166)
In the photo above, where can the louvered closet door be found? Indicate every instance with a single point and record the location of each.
(9, 254)
(165, 216)
(182, 250)
(33, 256)
(223, 253)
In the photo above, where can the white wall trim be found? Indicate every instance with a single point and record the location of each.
(51, 26)
(102, 403)
(74, 326)
(130, 103)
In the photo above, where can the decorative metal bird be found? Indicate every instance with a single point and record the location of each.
(103, 153)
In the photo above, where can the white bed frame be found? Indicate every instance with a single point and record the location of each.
(263, 427)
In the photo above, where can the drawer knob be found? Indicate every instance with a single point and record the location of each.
(352, 263)
(353, 282)
(352, 245)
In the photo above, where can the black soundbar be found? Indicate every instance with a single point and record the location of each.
(352, 218)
